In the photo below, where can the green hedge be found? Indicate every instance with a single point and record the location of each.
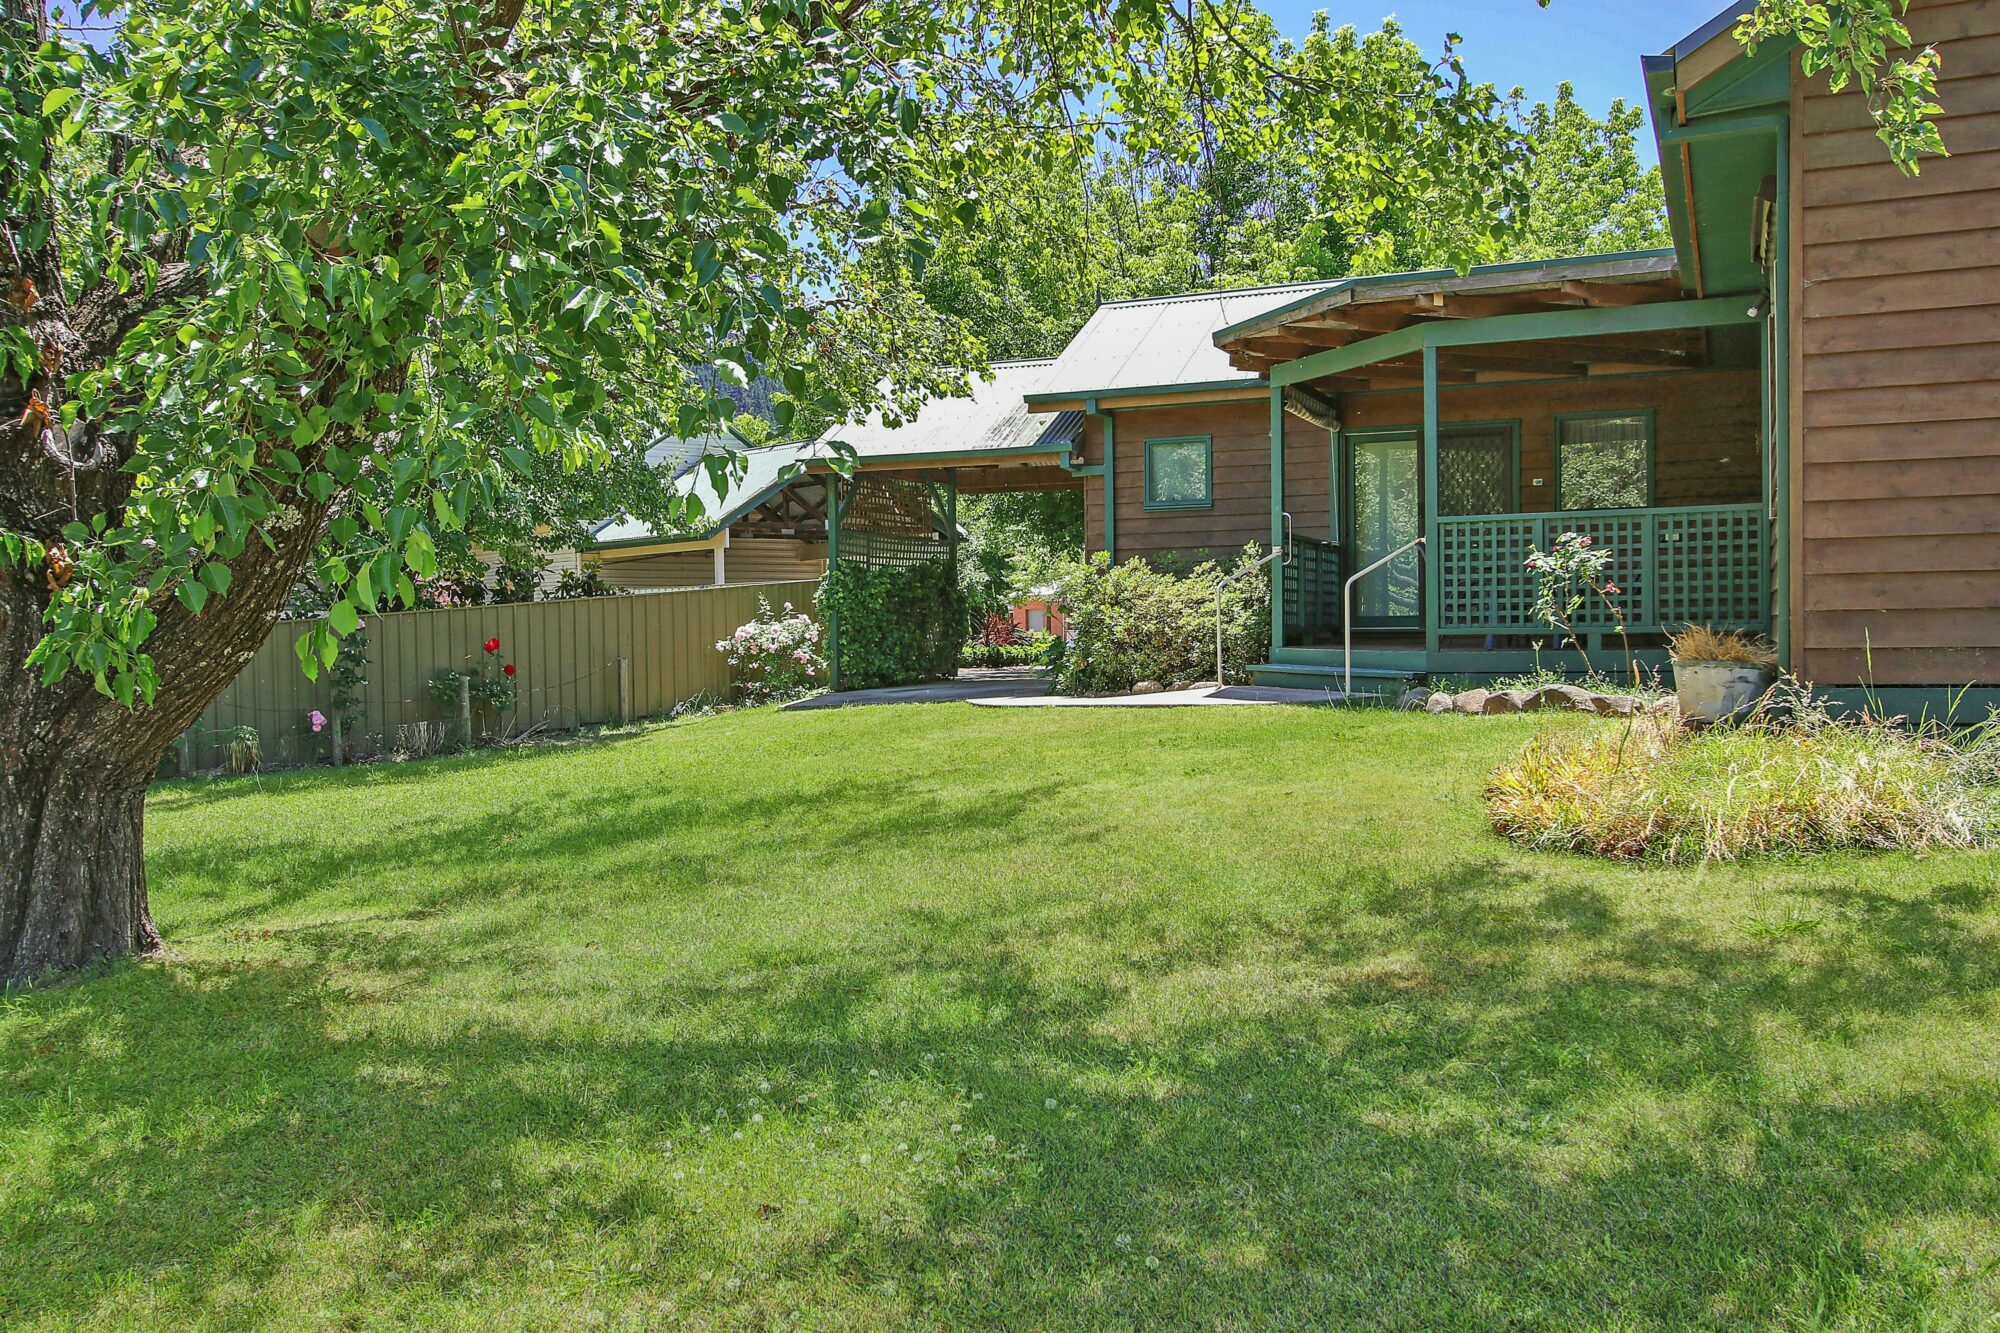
(1034, 650)
(1132, 622)
(897, 626)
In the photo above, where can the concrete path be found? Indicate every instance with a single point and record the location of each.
(1028, 687)
(1205, 697)
(974, 685)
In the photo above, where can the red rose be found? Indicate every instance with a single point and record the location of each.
(507, 670)
(491, 645)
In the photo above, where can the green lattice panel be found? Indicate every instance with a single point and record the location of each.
(1712, 567)
(1485, 583)
(1626, 533)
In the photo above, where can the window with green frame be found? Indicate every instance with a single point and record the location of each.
(1180, 473)
(1604, 460)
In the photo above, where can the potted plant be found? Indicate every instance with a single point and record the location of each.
(1720, 674)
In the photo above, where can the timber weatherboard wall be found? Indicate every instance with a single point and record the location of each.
(1896, 377)
(750, 560)
(1239, 436)
(564, 652)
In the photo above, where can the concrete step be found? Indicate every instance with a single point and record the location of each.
(1314, 676)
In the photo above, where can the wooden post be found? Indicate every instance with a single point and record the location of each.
(624, 692)
(186, 747)
(465, 711)
(333, 740)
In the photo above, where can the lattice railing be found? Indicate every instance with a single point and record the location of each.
(1704, 564)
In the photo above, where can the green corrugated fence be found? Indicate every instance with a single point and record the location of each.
(566, 656)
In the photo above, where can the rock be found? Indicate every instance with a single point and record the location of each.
(1557, 696)
(1180, 685)
(1614, 705)
(1472, 701)
(1149, 687)
(1413, 697)
(1438, 703)
(1506, 701)
(1668, 706)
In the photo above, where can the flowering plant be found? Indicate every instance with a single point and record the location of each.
(776, 656)
(1567, 575)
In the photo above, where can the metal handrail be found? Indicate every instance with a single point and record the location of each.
(1285, 551)
(1347, 611)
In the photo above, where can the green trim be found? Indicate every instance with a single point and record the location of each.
(1428, 499)
(1277, 514)
(1583, 323)
(1110, 470)
(1207, 442)
(1780, 463)
(1223, 335)
(834, 505)
(1092, 395)
(1652, 499)
(959, 457)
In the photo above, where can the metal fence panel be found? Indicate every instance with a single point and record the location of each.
(565, 655)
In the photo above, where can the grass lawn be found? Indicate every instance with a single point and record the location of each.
(946, 1017)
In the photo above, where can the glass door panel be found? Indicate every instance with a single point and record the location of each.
(1385, 512)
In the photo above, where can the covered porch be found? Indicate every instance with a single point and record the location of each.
(1469, 420)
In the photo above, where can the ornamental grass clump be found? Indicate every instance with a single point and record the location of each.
(1655, 791)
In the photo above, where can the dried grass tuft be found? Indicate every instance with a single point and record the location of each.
(1653, 791)
(1699, 643)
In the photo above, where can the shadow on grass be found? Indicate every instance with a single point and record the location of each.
(1447, 1137)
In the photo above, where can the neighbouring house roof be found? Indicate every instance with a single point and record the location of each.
(993, 418)
(1160, 343)
(766, 470)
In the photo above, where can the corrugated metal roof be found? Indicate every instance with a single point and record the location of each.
(1162, 342)
(761, 477)
(993, 416)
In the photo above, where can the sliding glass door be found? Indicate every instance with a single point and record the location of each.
(1385, 511)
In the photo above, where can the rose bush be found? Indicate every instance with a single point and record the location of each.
(776, 656)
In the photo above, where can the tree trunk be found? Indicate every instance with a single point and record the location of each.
(75, 765)
(75, 877)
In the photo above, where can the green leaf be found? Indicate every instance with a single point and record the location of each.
(420, 554)
(193, 595)
(58, 98)
(374, 129)
(343, 617)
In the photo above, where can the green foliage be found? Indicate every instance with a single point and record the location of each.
(1587, 192)
(585, 582)
(1028, 650)
(898, 625)
(1132, 622)
(485, 690)
(1851, 41)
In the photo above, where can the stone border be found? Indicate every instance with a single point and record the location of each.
(1572, 698)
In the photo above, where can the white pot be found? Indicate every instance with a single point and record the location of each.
(1711, 691)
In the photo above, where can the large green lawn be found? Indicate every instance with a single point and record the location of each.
(948, 1017)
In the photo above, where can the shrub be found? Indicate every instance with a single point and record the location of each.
(1652, 790)
(1024, 650)
(1132, 622)
(899, 625)
(774, 656)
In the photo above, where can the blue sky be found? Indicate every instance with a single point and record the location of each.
(1595, 44)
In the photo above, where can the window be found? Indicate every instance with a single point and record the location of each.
(1604, 461)
(1178, 473)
